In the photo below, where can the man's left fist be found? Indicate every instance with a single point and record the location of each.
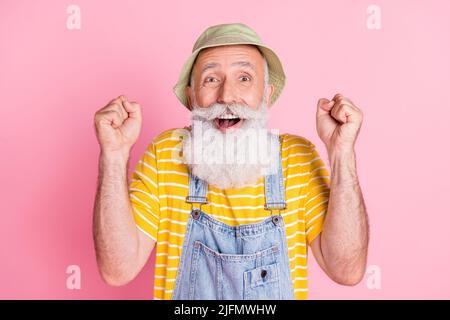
(338, 122)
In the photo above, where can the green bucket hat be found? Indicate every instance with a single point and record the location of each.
(231, 34)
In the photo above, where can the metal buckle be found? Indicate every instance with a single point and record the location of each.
(193, 199)
(281, 207)
(200, 206)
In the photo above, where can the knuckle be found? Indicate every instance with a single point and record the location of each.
(114, 109)
(115, 113)
(98, 116)
(114, 105)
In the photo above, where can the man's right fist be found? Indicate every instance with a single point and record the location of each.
(118, 125)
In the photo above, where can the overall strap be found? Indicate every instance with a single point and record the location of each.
(274, 182)
(197, 190)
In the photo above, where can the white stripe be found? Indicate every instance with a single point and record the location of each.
(168, 149)
(147, 234)
(168, 139)
(292, 211)
(289, 138)
(144, 203)
(169, 160)
(300, 244)
(293, 165)
(297, 175)
(146, 193)
(318, 186)
(298, 255)
(299, 267)
(294, 223)
(144, 218)
(295, 145)
(301, 289)
(236, 195)
(145, 177)
(303, 163)
(172, 221)
(295, 233)
(318, 216)
(296, 186)
(173, 184)
(171, 233)
(328, 191)
(310, 228)
(169, 257)
(300, 278)
(312, 209)
(173, 172)
(147, 165)
(173, 197)
(164, 277)
(162, 288)
(296, 154)
(237, 219)
(150, 154)
(175, 209)
(171, 245)
(319, 168)
(236, 207)
(296, 198)
(319, 177)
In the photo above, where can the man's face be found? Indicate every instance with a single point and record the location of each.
(228, 75)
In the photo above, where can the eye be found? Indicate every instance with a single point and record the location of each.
(210, 79)
(245, 78)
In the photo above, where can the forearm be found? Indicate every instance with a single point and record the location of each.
(115, 233)
(344, 240)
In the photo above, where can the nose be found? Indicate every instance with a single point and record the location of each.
(227, 93)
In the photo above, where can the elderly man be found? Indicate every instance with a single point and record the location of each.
(231, 206)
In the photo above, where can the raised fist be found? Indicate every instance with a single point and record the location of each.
(118, 125)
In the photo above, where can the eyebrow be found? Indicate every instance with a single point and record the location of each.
(213, 65)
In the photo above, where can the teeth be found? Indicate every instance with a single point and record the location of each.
(228, 116)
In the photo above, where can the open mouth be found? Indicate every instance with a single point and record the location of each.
(228, 122)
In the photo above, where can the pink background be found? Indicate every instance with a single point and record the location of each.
(52, 81)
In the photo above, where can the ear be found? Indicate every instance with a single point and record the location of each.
(270, 90)
(188, 93)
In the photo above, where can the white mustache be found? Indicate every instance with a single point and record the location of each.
(217, 109)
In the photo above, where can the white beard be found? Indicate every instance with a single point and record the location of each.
(232, 159)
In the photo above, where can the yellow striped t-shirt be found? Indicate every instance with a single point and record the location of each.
(159, 186)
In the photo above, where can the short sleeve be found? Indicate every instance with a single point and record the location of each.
(318, 192)
(144, 195)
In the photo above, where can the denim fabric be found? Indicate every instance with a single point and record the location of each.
(245, 262)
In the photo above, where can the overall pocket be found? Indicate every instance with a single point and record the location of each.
(216, 275)
(263, 283)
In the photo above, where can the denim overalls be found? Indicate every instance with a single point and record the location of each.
(243, 262)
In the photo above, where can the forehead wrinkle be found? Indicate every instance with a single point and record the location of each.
(209, 65)
(212, 65)
(244, 64)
